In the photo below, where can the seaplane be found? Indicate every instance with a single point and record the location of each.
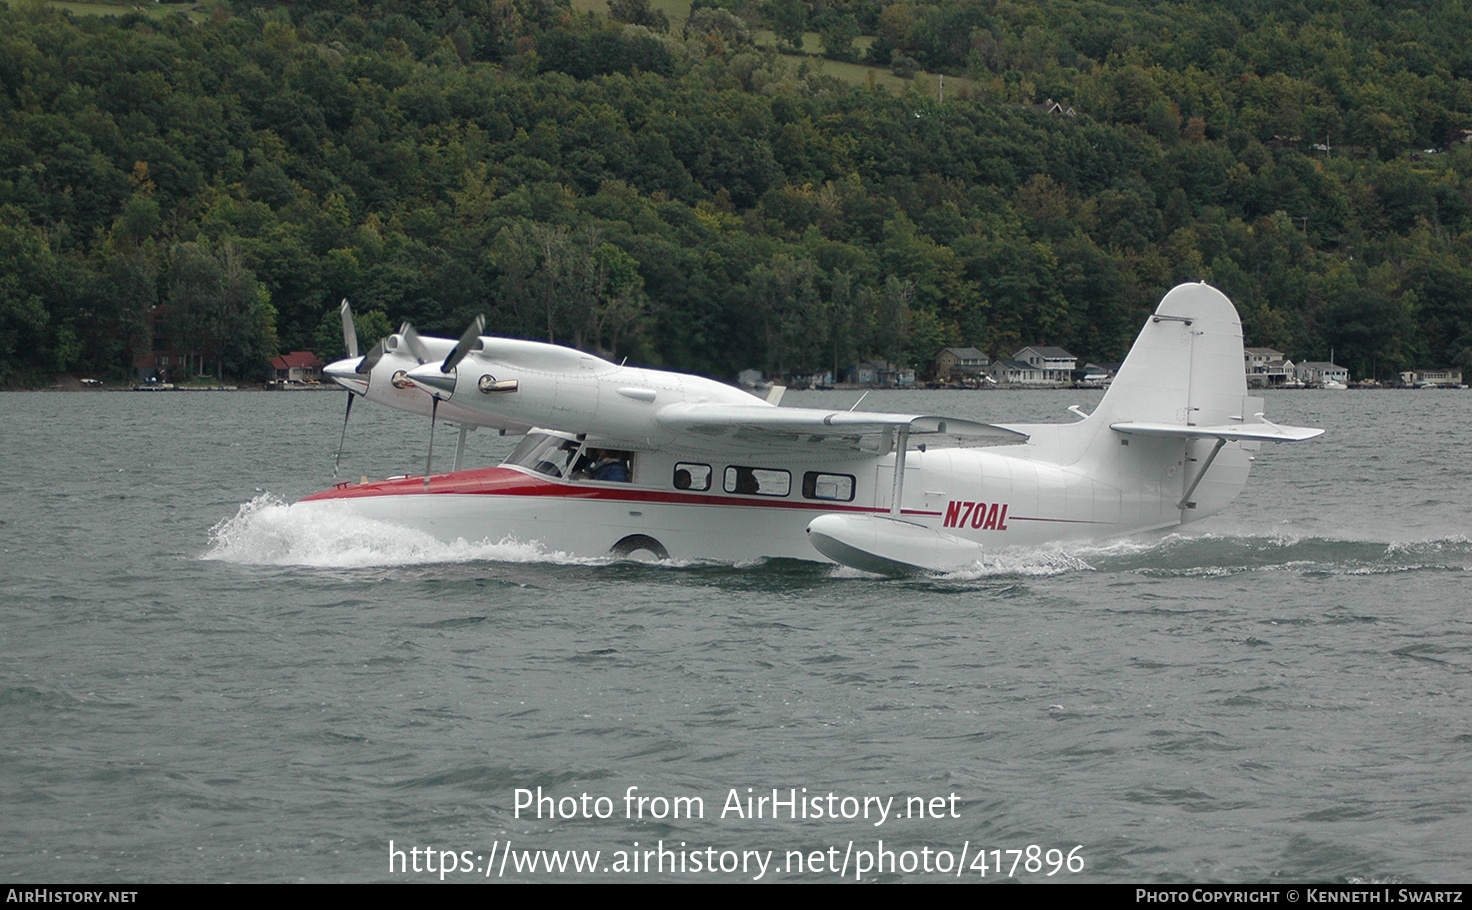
(627, 462)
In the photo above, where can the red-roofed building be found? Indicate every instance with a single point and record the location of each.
(298, 366)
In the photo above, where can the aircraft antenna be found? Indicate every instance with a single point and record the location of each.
(861, 399)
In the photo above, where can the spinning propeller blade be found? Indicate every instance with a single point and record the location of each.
(413, 342)
(440, 382)
(365, 366)
(349, 331)
(463, 346)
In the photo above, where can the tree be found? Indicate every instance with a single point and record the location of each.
(219, 312)
(789, 21)
(837, 34)
(892, 318)
(783, 294)
(28, 271)
(639, 12)
(622, 305)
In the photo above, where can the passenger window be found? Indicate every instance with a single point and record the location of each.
(757, 481)
(692, 476)
(832, 487)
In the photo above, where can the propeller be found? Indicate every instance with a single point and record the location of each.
(413, 342)
(349, 331)
(446, 383)
(375, 354)
(350, 342)
(439, 380)
(337, 458)
(463, 346)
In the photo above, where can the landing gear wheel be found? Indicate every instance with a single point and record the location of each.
(641, 547)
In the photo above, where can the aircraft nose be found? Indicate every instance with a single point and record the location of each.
(428, 377)
(345, 373)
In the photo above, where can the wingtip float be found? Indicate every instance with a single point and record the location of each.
(622, 460)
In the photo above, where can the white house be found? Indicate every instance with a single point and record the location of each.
(1317, 372)
(1267, 367)
(1057, 364)
(960, 363)
(1446, 378)
(1016, 372)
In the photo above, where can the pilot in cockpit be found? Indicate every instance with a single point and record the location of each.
(608, 466)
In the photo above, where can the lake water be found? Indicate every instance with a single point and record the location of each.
(196, 686)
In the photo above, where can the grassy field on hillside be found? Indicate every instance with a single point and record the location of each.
(151, 10)
(853, 73)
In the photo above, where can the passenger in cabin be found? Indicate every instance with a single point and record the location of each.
(682, 479)
(609, 467)
(746, 481)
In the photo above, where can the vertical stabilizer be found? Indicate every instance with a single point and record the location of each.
(1185, 370)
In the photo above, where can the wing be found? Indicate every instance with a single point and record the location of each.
(761, 428)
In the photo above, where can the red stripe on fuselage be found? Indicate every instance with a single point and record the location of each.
(500, 481)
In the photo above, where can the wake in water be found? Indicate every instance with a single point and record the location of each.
(269, 531)
(1182, 555)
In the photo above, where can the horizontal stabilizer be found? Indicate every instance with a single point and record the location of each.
(1259, 432)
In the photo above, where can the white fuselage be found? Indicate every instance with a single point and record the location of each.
(986, 499)
(646, 461)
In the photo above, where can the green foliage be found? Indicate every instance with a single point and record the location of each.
(789, 20)
(704, 204)
(370, 327)
(639, 12)
(837, 32)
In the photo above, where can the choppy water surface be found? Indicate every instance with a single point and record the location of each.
(198, 686)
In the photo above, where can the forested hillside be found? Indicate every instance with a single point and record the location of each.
(677, 194)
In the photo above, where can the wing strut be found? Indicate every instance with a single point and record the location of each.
(902, 445)
(1186, 502)
(460, 448)
(434, 413)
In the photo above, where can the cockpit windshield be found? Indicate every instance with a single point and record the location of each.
(546, 453)
(564, 455)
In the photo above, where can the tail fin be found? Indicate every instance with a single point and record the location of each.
(1174, 412)
(1185, 368)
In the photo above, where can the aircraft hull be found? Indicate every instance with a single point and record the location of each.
(945, 523)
